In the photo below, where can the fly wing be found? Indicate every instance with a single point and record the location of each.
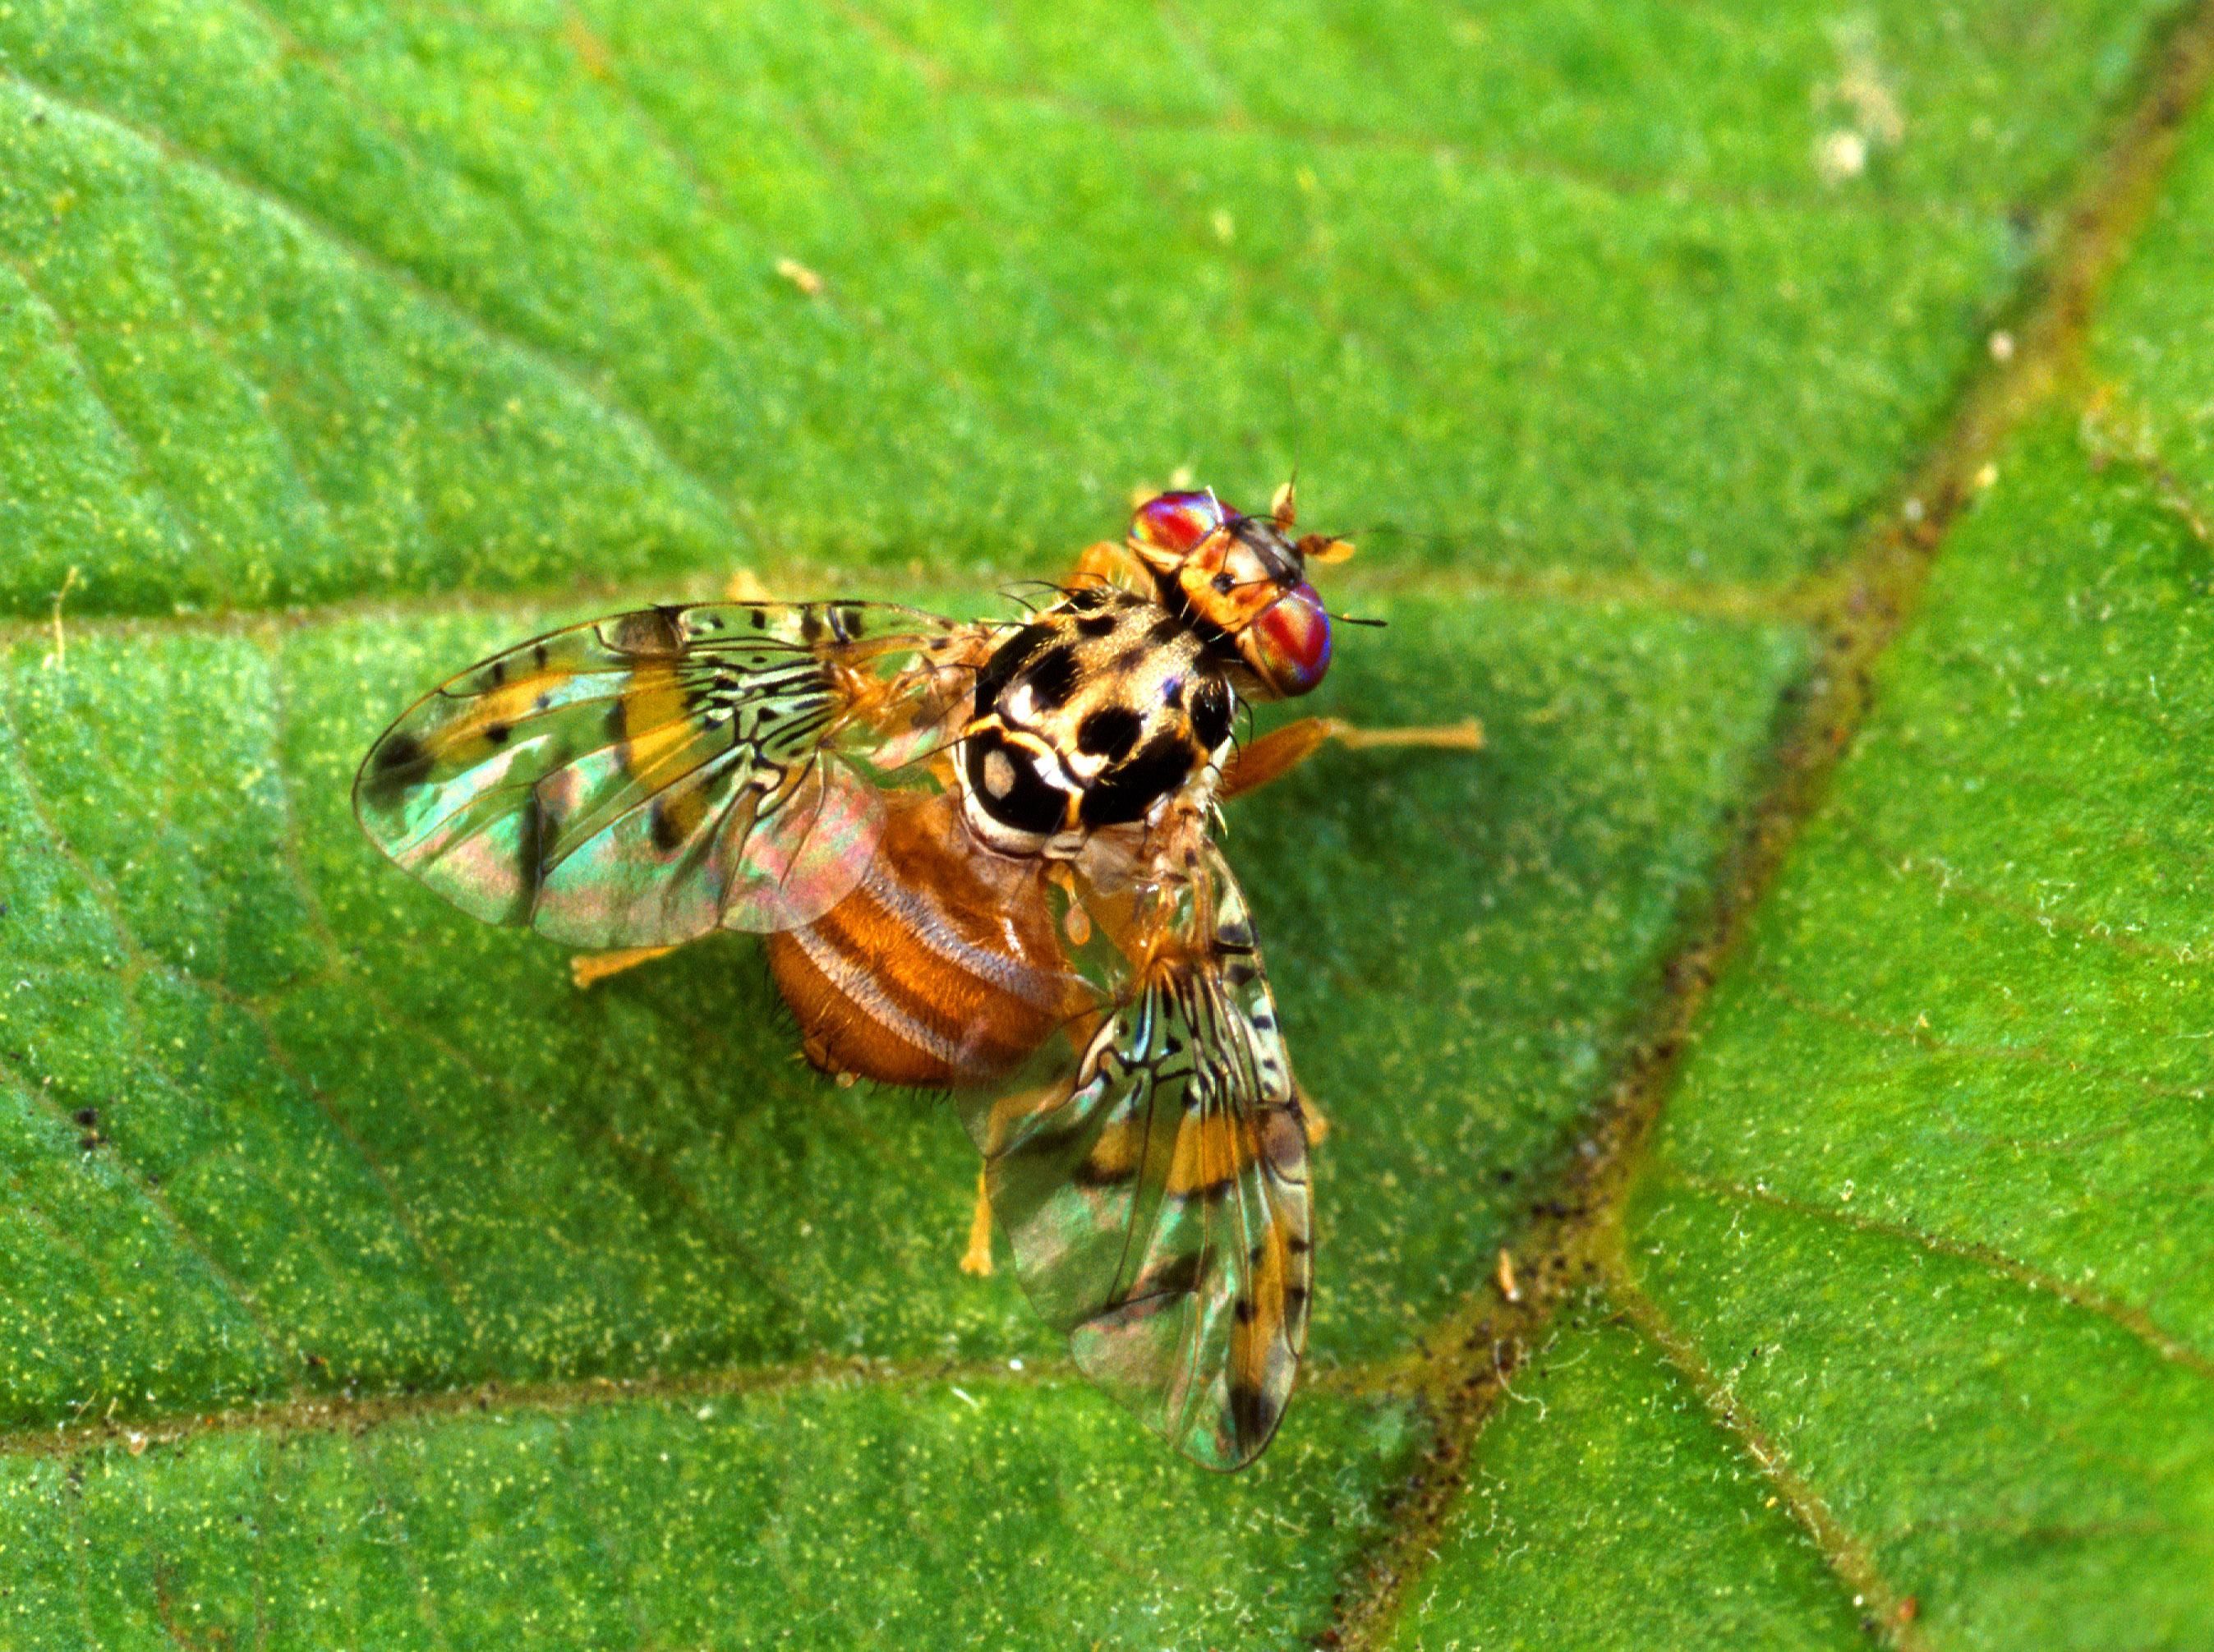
(1156, 1195)
(640, 780)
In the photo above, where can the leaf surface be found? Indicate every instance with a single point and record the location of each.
(1923, 1228)
(365, 1284)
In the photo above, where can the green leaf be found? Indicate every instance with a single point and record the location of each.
(1611, 1513)
(365, 1284)
(327, 299)
(1923, 1228)
(840, 1514)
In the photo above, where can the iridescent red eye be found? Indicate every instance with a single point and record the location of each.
(1288, 646)
(1177, 523)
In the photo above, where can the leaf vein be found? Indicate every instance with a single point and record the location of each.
(585, 382)
(2124, 1316)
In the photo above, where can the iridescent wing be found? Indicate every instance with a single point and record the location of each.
(1156, 1195)
(641, 779)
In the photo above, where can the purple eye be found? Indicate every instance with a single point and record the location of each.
(1288, 646)
(1175, 525)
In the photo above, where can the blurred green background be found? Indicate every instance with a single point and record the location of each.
(361, 1285)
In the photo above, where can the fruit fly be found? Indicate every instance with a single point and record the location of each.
(981, 855)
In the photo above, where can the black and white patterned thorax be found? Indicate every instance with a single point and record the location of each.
(1093, 714)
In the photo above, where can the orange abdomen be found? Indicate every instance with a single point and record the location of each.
(941, 968)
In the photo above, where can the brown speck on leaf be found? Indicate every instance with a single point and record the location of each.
(800, 276)
(591, 50)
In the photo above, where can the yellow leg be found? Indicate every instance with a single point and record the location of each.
(1280, 750)
(586, 967)
(977, 1258)
(1467, 735)
(1311, 1119)
(1108, 563)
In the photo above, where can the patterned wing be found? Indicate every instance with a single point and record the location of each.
(639, 780)
(1156, 1198)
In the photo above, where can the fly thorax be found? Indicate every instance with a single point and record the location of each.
(1096, 713)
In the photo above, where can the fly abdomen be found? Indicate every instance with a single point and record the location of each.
(943, 967)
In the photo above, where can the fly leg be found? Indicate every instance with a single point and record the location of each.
(1107, 563)
(1280, 750)
(977, 1258)
(586, 967)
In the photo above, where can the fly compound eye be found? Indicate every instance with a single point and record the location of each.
(1288, 644)
(1173, 525)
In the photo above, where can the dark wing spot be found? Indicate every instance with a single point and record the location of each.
(668, 831)
(1180, 1277)
(499, 669)
(810, 625)
(1205, 1192)
(1098, 1172)
(497, 733)
(1243, 1309)
(398, 751)
(531, 838)
(399, 761)
(1211, 712)
(1253, 1415)
(1052, 677)
(1125, 792)
(760, 618)
(1109, 732)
